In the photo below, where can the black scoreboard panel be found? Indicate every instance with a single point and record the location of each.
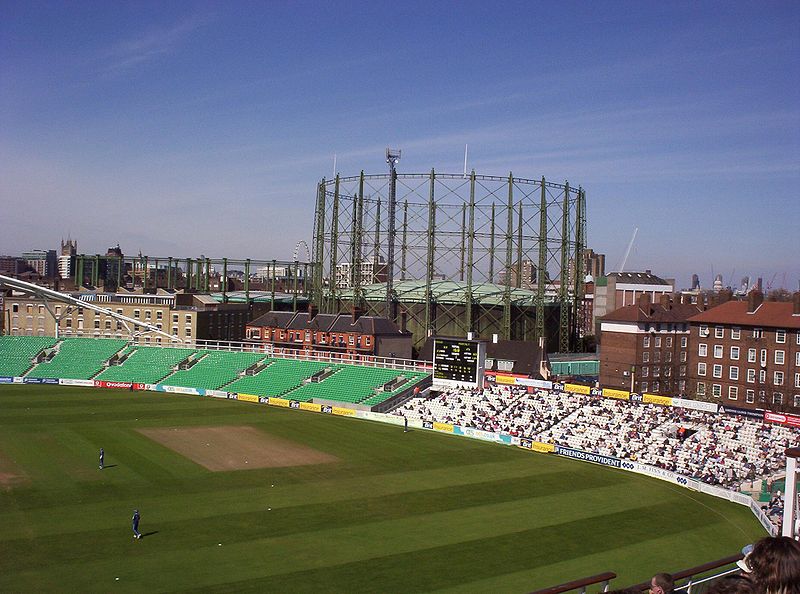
(455, 360)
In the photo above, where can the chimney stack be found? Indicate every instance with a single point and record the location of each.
(313, 310)
(754, 300)
(644, 303)
(666, 301)
(796, 304)
(357, 313)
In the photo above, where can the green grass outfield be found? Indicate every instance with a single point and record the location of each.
(416, 512)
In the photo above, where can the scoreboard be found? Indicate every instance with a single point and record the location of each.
(458, 362)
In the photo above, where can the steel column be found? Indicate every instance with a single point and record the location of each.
(506, 327)
(541, 273)
(563, 326)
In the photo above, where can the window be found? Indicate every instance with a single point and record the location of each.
(646, 342)
(735, 333)
(646, 357)
(683, 356)
(733, 373)
(797, 339)
(780, 336)
(796, 400)
(751, 355)
(108, 324)
(735, 353)
(701, 388)
(762, 395)
(682, 386)
(656, 371)
(657, 356)
(797, 380)
(750, 396)
(136, 313)
(751, 376)
(703, 330)
(658, 342)
(15, 308)
(762, 376)
(777, 398)
(702, 350)
(716, 390)
(188, 318)
(669, 341)
(69, 322)
(174, 318)
(645, 371)
(717, 371)
(778, 378)
(159, 314)
(350, 339)
(668, 371)
(644, 387)
(718, 349)
(797, 359)
(174, 330)
(97, 323)
(757, 332)
(668, 356)
(763, 357)
(684, 342)
(719, 332)
(779, 357)
(701, 369)
(187, 331)
(148, 314)
(733, 393)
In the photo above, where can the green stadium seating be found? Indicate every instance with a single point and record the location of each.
(350, 384)
(78, 358)
(214, 370)
(281, 376)
(146, 365)
(17, 353)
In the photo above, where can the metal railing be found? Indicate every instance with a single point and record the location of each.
(580, 585)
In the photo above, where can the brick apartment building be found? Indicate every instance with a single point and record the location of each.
(184, 315)
(351, 334)
(644, 347)
(747, 353)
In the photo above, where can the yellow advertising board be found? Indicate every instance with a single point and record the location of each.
(279, 402)
(311, 406)
(655, 399)
(538, 446)
(247, 397)
(577, 388)
(343, 412)
(505, 379)
(618, 394)
(443, 427)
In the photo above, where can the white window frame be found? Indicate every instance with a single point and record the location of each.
(702, 350)
(750, 396)
(733, 373)
(735, 353)
(751, 376)
(646, 342)
(719, 332)
(684, 342)
(719, 351)
(716, 371)
(733, 393)
(701, 388)
(701, 369)
(716, 390)
(736, 333)
(780, 336)
(780, 357)
(752, 355)
(777, 378)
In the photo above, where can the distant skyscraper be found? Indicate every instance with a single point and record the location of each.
(69, 249)
(718, 285)
(695, 282)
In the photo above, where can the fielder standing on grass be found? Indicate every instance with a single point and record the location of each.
(102, 455)
(135, 522)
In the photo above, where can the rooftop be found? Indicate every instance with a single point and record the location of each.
(770, 314)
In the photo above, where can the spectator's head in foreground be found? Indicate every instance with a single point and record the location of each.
(662, 583)
(733, 584)
(774, 565)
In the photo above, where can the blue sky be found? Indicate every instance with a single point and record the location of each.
(186, 128)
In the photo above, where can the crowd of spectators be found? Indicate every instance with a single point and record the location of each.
(718, 449)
